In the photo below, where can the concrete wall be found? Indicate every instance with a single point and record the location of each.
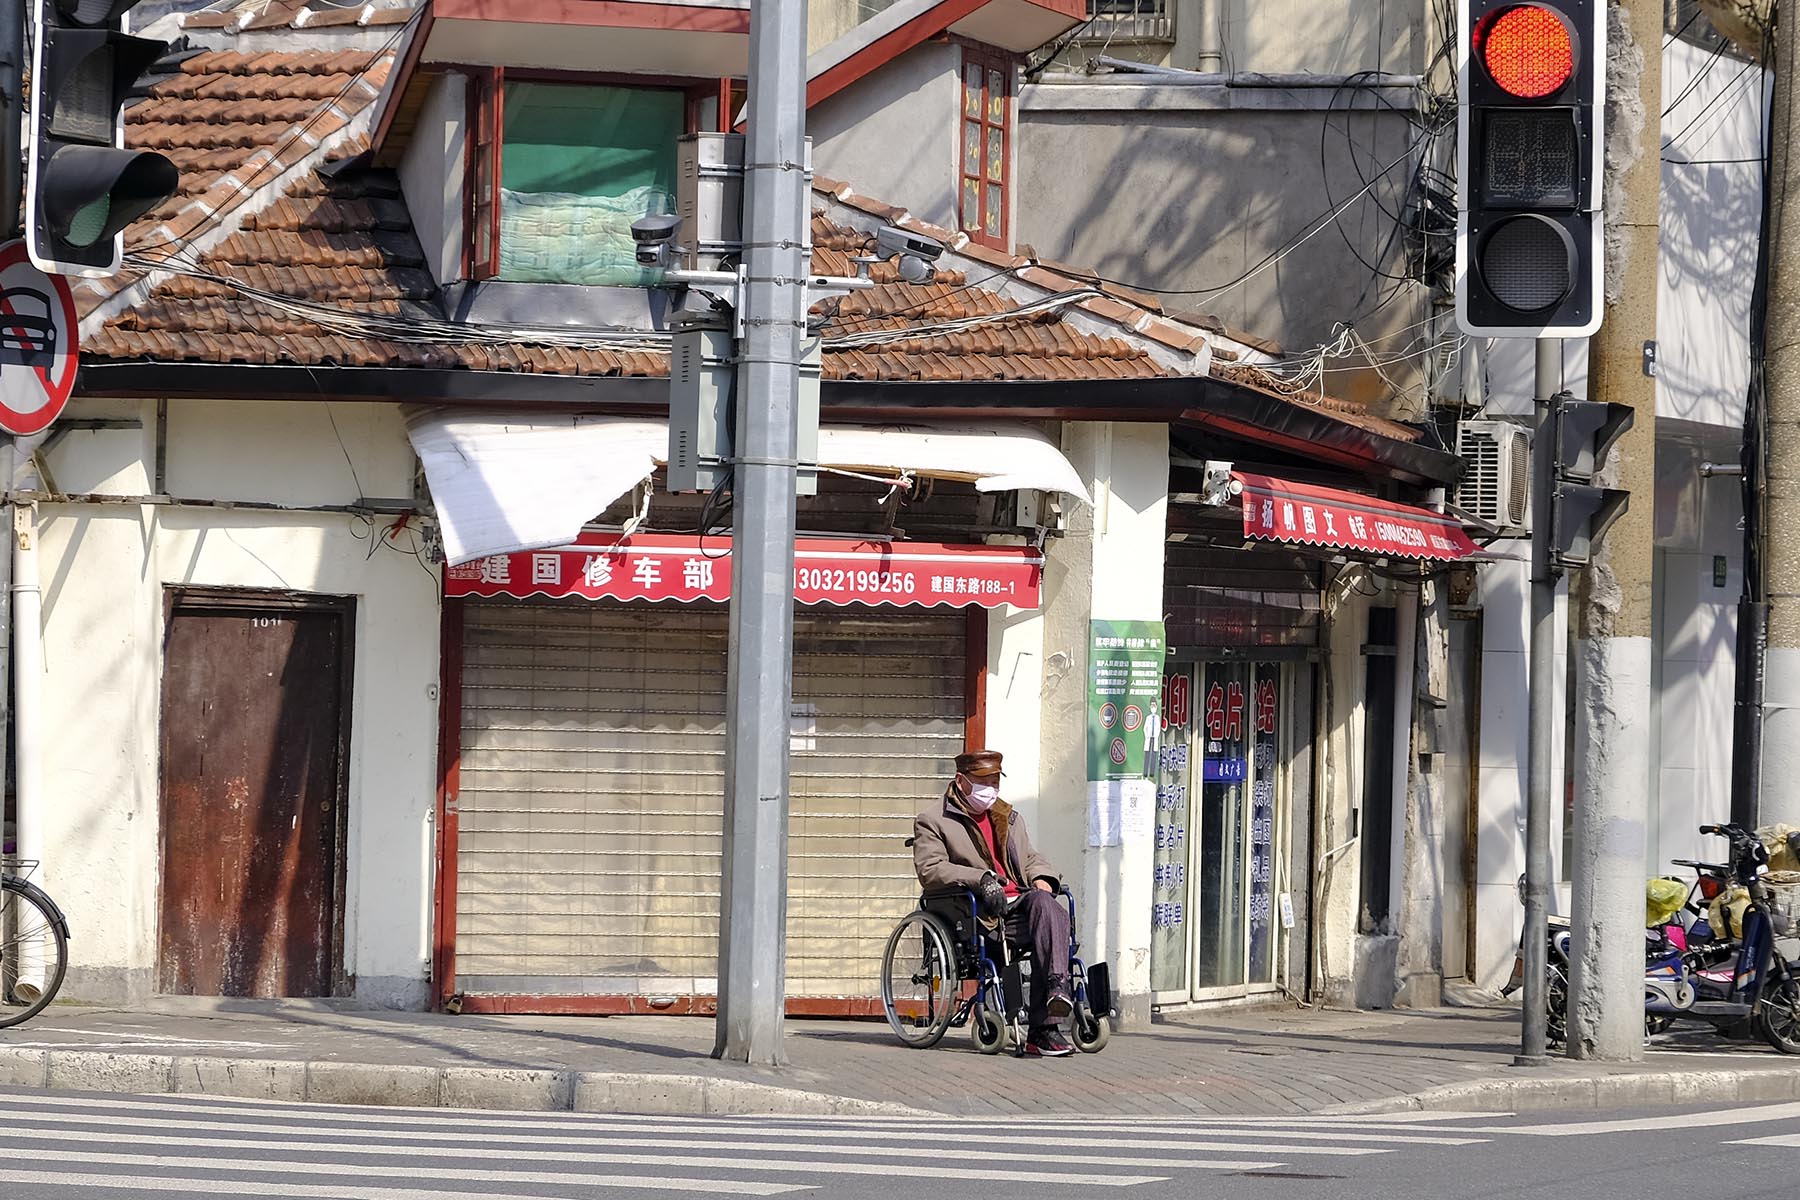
(1259, 35)
(893, 135)
(1196, 187)
(1336, 816)
(431, 176)
(104, 571)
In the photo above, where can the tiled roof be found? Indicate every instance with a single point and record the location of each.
(255, 15)
(249, 132)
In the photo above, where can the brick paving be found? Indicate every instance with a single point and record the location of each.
(1271, 1061)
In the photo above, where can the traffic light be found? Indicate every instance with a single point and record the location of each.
(1585, 431)
(1531, 83)
(81, 186)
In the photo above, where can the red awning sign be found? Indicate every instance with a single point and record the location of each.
(685, 570)
(1277, 510)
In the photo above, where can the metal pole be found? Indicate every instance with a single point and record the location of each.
(1540, 783)
(12, 118)
(777, 216)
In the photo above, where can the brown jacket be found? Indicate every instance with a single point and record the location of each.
(949, 851)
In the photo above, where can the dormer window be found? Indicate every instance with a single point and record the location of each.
(558, 171)
(986, 147)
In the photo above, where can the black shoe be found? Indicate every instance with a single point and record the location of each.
(1061, 1004)
(1047, 1043)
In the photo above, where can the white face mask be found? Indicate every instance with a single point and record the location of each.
(981, 797)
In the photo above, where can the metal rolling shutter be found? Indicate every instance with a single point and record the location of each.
(592, 770)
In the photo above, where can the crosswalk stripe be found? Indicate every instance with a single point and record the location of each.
(595, 1179)
(580, 1149)
(1736, 1116)
(631, 1136)
(190, 1186)
(1776, 1139)
(345, 1191)
(1210, 1138)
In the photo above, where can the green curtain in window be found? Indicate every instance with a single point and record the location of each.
(578, 165)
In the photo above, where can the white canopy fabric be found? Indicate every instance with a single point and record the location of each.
(503, 484)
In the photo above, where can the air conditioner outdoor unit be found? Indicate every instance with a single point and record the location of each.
(1496, 487)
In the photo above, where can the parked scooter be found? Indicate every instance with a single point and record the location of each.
(1696, 972)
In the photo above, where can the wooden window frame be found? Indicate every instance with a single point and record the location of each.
(979, 170)
(487, 137)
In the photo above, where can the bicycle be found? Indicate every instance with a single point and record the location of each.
(34, 944)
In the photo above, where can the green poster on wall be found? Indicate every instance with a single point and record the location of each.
(1125, 666)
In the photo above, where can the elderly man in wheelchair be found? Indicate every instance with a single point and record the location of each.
(991, 902)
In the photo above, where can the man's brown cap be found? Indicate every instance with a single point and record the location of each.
(979, 762)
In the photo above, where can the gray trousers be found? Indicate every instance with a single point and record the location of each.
(1038, 922)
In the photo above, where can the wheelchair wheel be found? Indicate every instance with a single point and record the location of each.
(1091, 1032)
(919, 984)
(987, 1029)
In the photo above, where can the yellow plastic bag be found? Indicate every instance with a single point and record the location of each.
(1726, 913)
(1663, 898)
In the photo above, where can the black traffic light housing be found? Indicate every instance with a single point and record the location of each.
(1531, 116)
(1581, 513)
(82, 187)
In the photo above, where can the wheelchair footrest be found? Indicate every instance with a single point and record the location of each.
(1099, 990)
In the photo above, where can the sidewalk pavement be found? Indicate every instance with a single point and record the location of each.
(1271, 1062)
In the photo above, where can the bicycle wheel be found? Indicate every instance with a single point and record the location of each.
(918, 980)
(1778, 1017)
(34, 952)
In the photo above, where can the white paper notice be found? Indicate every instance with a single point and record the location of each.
(1103, 813)
(1137, 809)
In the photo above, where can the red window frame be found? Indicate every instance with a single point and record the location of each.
(487, 131)
(487, 99)
(984, 124)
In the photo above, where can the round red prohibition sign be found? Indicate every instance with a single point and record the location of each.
(1134, 717)
(1118, 751)
(38, 350)
(1109, 715)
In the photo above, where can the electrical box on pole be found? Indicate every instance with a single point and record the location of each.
(1584, 432)
(82, 187)
(1531, 84)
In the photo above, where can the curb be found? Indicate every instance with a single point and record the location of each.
(515, 1089)
(1638, 1089)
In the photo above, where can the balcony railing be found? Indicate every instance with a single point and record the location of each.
(1143, 19)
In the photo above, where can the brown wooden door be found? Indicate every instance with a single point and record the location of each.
(254, 738)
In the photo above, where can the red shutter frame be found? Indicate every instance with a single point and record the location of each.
(487, 99)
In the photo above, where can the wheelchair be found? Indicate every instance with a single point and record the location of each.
(943, 968)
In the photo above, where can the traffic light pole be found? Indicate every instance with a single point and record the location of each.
(777, 212)
(1544, 711)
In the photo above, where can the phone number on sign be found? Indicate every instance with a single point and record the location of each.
(827, 579)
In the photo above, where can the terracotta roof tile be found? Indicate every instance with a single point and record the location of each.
(229, 121)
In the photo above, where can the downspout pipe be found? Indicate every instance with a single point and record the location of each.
(28, 673)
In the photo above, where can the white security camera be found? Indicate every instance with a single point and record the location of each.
(655, 237)
(890, 240)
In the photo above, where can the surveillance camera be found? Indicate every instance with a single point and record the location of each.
(655, 229)
(890, 241)
(914, 269)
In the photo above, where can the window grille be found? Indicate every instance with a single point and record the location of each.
(1142, 19)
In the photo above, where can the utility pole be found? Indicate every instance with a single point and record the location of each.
(777, 215)
(1545, 714)
(1780, 793)
(1606, 1019)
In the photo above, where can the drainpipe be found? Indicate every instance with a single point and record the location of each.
(28, 673)
(1209, 52)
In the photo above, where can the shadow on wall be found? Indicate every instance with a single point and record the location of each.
(1711, 227)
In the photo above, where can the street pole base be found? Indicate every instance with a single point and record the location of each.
(1531, 1060)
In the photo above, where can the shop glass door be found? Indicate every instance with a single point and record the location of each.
(1219, 826)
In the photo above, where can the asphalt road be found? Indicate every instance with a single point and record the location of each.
(61, 1146)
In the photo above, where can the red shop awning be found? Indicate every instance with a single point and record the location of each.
(1277, 510)
(658, 567)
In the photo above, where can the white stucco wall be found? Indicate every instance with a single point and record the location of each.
(893, 135)
(105, 569)
(431, 176)
(1108, 567)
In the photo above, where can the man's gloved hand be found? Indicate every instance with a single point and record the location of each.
(992, 895)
